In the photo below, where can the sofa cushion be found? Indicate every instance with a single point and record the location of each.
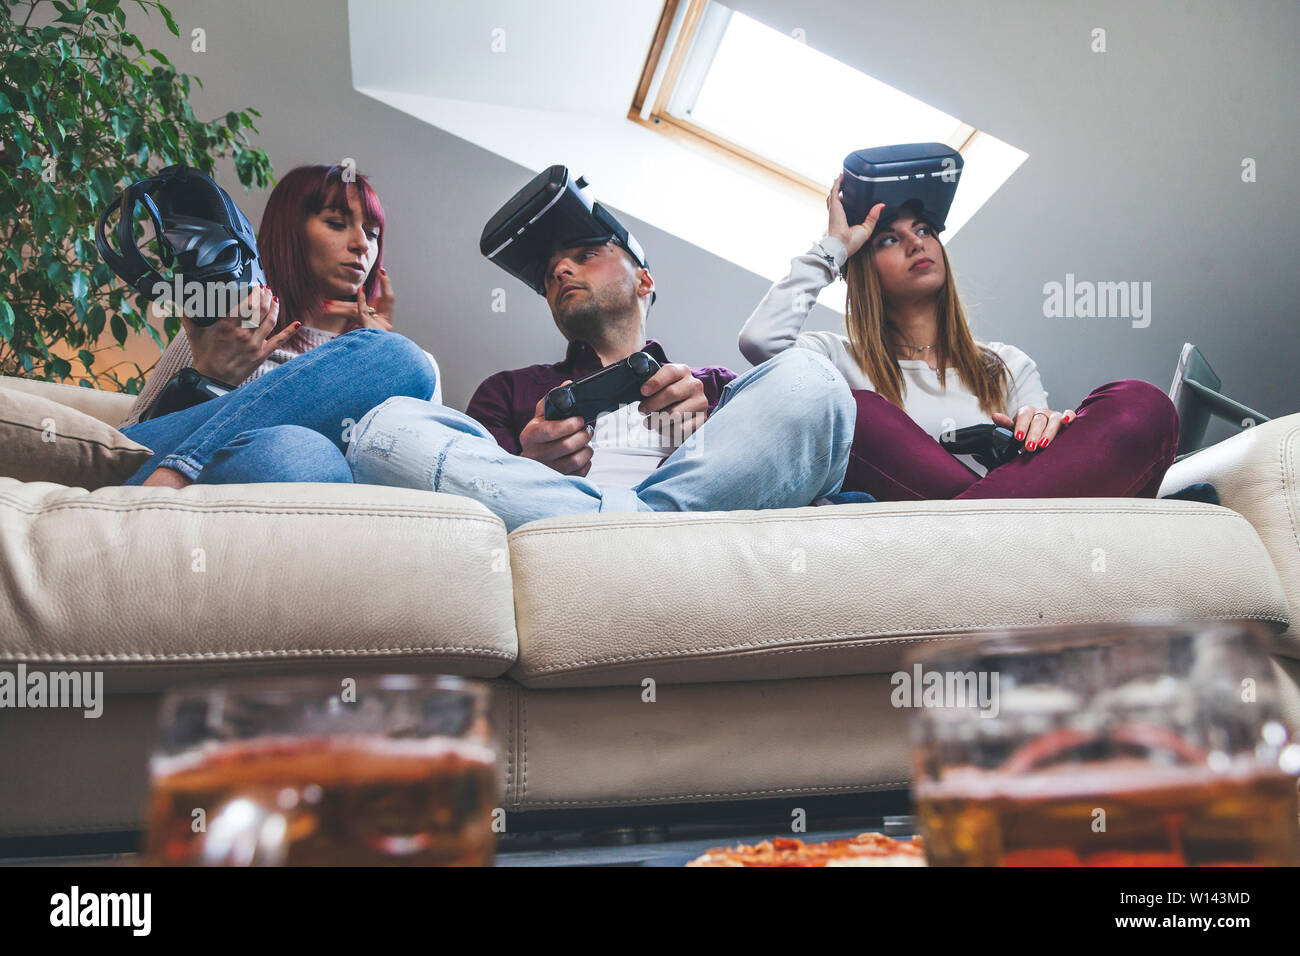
(108, 407)
(758, 595)
(156, 585)
(46, 441)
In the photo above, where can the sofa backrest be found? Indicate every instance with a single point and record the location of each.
(108, 407)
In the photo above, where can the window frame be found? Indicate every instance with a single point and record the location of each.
(669, 53)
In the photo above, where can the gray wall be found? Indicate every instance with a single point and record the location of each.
(1133, 174)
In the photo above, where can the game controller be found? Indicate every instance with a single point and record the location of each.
(610, 388)
(990, 445)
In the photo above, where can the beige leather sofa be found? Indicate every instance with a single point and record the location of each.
(769, 636)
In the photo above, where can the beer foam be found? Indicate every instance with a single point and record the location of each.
(1080, 780)
(291, 747)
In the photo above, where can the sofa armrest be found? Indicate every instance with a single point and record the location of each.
(1256, 474)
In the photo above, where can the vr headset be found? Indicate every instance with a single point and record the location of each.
(552, 212)
(924, 174)
(202, 236)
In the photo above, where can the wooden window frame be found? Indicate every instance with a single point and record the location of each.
(697, 137)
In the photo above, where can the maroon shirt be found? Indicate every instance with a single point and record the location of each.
(507, 401)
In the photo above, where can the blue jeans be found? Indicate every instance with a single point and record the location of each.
(294, 422)
(779, 438)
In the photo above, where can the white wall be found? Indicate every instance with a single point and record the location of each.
(1134, 174)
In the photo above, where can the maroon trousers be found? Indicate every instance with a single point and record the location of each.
(1120, 446)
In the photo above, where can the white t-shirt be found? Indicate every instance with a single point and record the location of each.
(777, 324)
(624, 451)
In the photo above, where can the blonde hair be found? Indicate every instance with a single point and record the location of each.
(980, 368)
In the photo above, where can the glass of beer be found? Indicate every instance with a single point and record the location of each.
(1153, 741)
(364, 771)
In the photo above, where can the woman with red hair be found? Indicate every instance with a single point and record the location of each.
(318, 350)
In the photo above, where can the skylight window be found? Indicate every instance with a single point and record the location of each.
(765, 100)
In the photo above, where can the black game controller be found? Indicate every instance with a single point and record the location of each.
(610, 388)
(990, 445)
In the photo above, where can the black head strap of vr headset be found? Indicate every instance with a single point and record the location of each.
(209, 240)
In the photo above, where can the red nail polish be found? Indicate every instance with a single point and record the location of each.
(1066, 419)
(1045, 443)
(1020, 436)
(1029, 447)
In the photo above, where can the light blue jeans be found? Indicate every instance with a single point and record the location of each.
(294, 422)
(779, 438)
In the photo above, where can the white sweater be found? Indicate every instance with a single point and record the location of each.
(777, 324)
(177, 356)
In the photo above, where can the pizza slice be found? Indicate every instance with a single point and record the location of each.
(865, 849)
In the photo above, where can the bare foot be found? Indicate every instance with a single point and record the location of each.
(166, 478)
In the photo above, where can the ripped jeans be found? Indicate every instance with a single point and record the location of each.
(779, 438)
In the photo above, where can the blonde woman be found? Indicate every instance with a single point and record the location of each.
(916, 372)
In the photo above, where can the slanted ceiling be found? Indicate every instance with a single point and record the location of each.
(542, 84)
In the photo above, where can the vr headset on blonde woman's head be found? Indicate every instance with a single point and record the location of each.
(925, 175)
(553, 211)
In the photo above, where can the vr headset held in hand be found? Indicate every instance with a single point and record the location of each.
(923, 174)
(205, 240)
(202, 236)
(551, 212)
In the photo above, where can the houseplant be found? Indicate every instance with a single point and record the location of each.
(84, 110)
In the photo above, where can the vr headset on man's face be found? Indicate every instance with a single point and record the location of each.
(550, 213)
(924, 175)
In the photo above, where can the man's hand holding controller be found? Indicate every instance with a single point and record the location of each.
(564, 445)
(674, 403)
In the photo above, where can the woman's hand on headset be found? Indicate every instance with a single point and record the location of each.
(854, 236)
(232, 348)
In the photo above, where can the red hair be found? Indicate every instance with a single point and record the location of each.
(282, 242)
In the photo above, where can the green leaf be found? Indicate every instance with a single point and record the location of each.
(87, 358)
(6, 320)
(104, 185)
(79, 285)
(57, 272)
(171, 21)
(232, 120)
(95, 321)
(119, 329)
